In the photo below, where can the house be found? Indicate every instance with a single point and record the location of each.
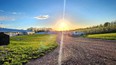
(15, 32)
(27, 32)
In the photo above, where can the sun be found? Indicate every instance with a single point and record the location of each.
(61, 25)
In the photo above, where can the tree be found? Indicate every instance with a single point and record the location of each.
(106, 24)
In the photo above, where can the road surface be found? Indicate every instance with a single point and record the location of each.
(81, 51)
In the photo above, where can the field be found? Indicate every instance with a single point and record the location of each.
(24, 48)
(108, 36)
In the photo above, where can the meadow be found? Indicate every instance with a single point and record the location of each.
(108, 36)
(26, 47)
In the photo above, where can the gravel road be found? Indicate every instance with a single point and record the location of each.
(81, 51)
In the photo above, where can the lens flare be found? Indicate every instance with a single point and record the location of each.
(61, 25)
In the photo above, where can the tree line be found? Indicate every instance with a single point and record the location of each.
(39, 29)
(107, 27)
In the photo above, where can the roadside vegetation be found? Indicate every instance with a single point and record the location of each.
(103, 31)
(108, 27)
(108, 36)
(24, 48)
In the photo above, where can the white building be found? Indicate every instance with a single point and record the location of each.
(15, 32)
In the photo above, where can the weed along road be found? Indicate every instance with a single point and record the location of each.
(81, 51)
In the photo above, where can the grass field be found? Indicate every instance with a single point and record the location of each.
(24, 48)
(108, 36)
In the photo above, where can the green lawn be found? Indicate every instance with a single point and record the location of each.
(24, 48)
(108, 36)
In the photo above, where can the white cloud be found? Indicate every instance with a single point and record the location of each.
(14, 12)
(42, 17)
(13, 19)
(6, 18)
(1, 10)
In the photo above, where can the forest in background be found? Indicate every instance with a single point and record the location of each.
(107, 27)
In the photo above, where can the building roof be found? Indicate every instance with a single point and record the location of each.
(13, 30)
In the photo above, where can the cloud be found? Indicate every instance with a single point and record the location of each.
(17, 13)
(6, 18)
(1, 10)
(42, 17)
(14, 12)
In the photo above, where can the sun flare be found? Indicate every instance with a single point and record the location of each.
(61, 25)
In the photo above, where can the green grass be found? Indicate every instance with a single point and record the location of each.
(24, 48)
(108, 36)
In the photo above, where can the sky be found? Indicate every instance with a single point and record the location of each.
(23, 14)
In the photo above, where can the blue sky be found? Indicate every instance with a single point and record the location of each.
(22, 14)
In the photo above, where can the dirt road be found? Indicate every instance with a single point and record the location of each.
(81, 51)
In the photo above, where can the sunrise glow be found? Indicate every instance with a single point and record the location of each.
(61, 25)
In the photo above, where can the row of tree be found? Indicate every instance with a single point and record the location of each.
(39, 29)
(107, 27)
